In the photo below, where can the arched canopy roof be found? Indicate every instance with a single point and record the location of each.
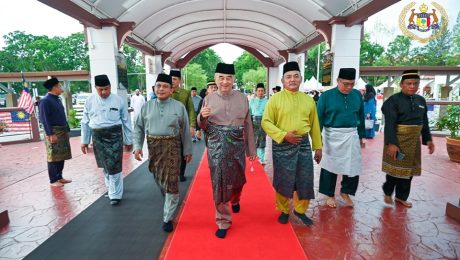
(176, 28)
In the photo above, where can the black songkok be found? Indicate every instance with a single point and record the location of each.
(277, 88)
(50, 83)
(410, 74)
(225, 68)
(162, 77)
(347, 73)
(290, 66)
(175, 73)
(260, 85)
(101, 80)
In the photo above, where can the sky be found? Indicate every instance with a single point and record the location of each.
(36, 18)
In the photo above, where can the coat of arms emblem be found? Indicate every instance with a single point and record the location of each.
(430, 23)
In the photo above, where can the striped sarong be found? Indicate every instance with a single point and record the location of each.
(259, 134)
(227, 161)
(293, 169)
(59, 151)
(108, 148)
(164, 161)
(410, 145)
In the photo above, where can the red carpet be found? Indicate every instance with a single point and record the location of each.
(255, 232)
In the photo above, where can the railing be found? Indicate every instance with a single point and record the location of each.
(18, 126)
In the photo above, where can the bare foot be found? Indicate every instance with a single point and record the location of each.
(405, 203)
(57, 184)
(388, 200)
(330, 201)
(347, 199)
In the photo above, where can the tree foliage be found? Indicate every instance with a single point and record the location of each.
(254, 76)
(195, 76)
(311, 62)
(244, 63)
(208, 60)
(136, 68)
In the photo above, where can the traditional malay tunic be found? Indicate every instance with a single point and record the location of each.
(230, 133)
(405, 119)
(165, 123)
(293, 164)
(256, 108)
(106, 121)
(341, 118)
(54, 122)
(184, 96)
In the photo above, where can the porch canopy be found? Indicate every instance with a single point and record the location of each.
(178, 30)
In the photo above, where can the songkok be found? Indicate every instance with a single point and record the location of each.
(101, 80)
(225, 68)
(290, 66)
(164, 78)
(277, 88)
(50, 83)
(175, 73)
(211, 83)
(193, 88)
(410, 74)
(347, 73)
(260, 85)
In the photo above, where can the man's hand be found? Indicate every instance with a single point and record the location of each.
(292, 138)
(392, 150)
(84, 148)
(362, 143)
(192, 131)
(52, 138)
(318, 156)
(205, 111)
(138, 154)
(188, 158)
(430, 147)
(128, 147)
(252, 157)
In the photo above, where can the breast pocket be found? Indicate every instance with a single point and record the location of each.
(113, 115)
(172, 121)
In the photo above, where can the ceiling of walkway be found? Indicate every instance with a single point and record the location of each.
(177, 27)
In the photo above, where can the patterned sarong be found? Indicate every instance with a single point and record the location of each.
(59, 151)
(259, 133)
(164, 161)
(293, 169)
(108, 148)
(410, 145)
(227, 161)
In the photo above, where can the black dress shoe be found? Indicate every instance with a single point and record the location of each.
(305, 220)
(168, 226)
(182, 178)
(221, 233)
(283, 218)
(236, 208)
(114, 202)
(106, 195)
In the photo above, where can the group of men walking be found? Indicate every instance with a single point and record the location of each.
(329, 133)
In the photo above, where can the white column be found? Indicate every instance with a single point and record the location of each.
(345, 44)
(153, 67)
(103, 49)
(274, 79)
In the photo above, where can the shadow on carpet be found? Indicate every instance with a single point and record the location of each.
(131, 230)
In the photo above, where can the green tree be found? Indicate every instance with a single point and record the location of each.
(370, 52)
(195, 76)
(397, 53)
(252, 77)
(244, 63)
(136, 68)
(208, 60)
(454, 58)
(311, 62)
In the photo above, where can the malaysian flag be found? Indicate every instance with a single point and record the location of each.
(16, 121)
(25, 100)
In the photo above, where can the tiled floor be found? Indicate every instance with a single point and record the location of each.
(370, 230)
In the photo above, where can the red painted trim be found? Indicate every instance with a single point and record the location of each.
(73, 10)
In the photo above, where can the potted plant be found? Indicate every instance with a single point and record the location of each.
(451, 121)
(3, 127)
